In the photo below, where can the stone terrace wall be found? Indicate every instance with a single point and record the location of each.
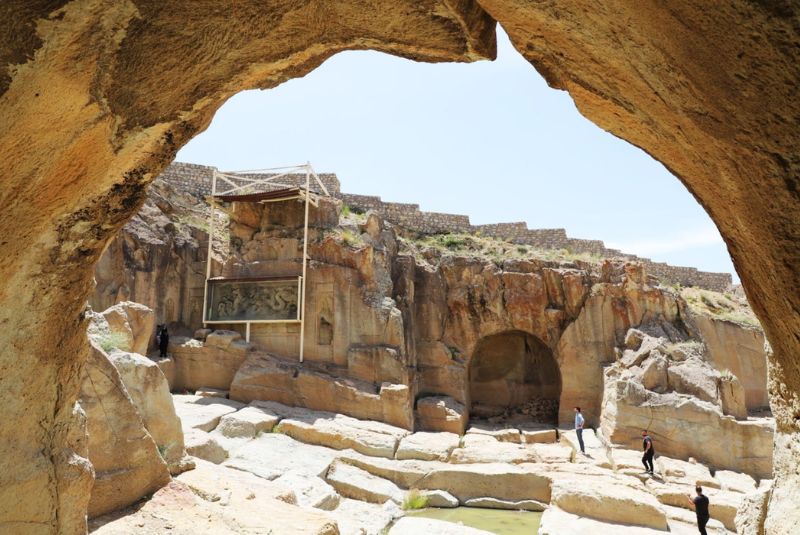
(196, 179)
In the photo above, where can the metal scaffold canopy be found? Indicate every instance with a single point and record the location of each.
(276, 184)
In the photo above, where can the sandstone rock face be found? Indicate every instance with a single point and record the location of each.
(126, 460)
(680, 424)
(149, 391)
(158, 259)
(441, 413)
(264, 377)
(193, 364)
(569, 44)
(738, 161)
(740, 350)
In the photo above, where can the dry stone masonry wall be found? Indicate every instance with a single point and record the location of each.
(196, 179)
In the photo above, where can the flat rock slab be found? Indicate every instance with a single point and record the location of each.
(179, 510)
(494, 503)
(353, 482)
(427, 446)
(439, 498)
(558, 522)
(416, 525)
(405, 473)
(538, 436)
(204, 446)
(247, 423)
(342, 432)
(481, 448)
(310, 491)
(685, 521)
(608, 500)
(678, 471)
(272, 455)
(501, 433)
(501, 481)
(734, 481)
(203, 413)
(215, 483)
(358, 518)
(595, 450)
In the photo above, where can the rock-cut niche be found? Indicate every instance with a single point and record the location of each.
(514, 374)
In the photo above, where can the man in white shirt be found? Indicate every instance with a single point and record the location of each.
(579, 428)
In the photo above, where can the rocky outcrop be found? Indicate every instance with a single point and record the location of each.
(192, 364)
(682, 423)
(125, 457)
(159, 259)
(127, 326)
(740, 350)
(149, 391)
(265, 377)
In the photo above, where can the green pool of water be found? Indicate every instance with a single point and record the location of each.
(492, 520)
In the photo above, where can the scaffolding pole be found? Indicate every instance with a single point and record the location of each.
(305, 262)
(210, 243)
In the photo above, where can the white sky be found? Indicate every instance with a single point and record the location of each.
(487, 139)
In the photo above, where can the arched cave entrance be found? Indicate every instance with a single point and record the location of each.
(514, 375)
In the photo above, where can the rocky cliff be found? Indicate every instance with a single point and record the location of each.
(429, 332)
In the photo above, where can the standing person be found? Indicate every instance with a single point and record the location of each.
(163, 342)
(579, 428)
(649, 452)
(700, 503)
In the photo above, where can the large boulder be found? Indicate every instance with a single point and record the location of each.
(353, 482)
(126, 459)
(684, 426)
(193, 365)
(127, 326)
(427, 446)
(149, 391)
(608, 501)
(441, 413)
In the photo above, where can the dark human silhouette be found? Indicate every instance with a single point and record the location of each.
(700, 504)
(163, 341)
(649, 452)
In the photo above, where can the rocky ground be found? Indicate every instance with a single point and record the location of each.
(267, 466)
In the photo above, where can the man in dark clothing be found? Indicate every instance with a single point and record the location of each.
(649, 452)
(163, 342)
(700, 503)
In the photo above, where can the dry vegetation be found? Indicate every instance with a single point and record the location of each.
(488, 248)
(720, 306)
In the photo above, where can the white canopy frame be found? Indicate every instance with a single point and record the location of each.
(253, 182)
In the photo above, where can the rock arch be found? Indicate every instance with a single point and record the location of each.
(93, 108)
(512, 372)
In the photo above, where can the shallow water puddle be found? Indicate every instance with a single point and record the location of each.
(493, 520)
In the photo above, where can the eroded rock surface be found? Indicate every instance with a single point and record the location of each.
(123, 108)
(125, 457)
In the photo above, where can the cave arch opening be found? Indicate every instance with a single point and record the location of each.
(514, 375)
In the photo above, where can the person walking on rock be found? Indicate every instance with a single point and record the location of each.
(163, 342)
(579, 428)
(649, 452)
(700, 504)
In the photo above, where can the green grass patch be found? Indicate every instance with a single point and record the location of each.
(414, 500)
(111, 341)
